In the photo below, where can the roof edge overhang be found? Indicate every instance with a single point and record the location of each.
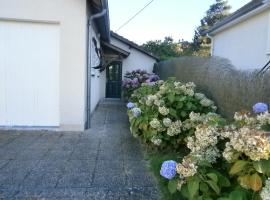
(262, 8)
(115, 48)
(133, 45)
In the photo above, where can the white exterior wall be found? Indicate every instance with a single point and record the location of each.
(71, 17)
(98, 80)
(136, 59)
(247, 44)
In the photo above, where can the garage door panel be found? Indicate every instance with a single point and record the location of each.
(31, 80)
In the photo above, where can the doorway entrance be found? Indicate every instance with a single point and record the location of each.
(114, 80)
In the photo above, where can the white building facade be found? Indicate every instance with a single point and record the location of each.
(49, 53)
(244, 37)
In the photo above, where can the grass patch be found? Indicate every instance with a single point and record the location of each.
(155, 160)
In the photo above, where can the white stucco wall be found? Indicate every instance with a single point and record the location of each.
(247, 44)
(98, 79)
(136, 59)
(71, 16)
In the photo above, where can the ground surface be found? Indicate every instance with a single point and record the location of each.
(104, 162)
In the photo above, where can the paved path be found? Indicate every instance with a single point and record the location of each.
(104, 162)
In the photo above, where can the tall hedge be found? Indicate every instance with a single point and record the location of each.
(231, 89)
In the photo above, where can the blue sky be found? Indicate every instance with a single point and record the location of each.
(176, 18)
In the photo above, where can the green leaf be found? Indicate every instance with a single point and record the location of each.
(183, 114)
(238, 167)
(204, 187)
(173, 112)
(193, 187)
(171, 97)
(214, 186)
(207, 198)
(172, 186)
(262, 166)
(184, 191)
(179, 105)
(223, 181)
(204, 163)
(223, 198)
(237, 195)
(213, 177)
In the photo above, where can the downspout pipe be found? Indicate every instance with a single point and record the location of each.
(212, 43)
(89, 53)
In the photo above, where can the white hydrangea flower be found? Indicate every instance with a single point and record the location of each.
(253, 143)
(199, 96)
(214, 108)
(148, 102)
(150, 99)
(190, 85)
(177, 84)
(163, 110)
(206, 102)
(245, 117)
(187, 168)
(203, 143)
(160, 82)
(175, 128)
(195, 117)
(155, 124)
(156, 141)
(229, 153)
(265, 193)
(264, 118)
(167, 122)
(189, 92)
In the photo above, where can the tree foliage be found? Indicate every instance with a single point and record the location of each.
(214, 14)
(168, 48)
(200, 46)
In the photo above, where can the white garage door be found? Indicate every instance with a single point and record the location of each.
(29, 74)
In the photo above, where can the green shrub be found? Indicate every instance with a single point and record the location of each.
(228, 162)
(165, 109)
(223, 161)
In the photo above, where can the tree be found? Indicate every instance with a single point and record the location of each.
(214, 14)
(167, 48)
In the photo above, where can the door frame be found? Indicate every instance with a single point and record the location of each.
(120, 75)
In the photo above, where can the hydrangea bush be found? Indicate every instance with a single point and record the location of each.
(166, 108)
(226, 162)
(134, 79)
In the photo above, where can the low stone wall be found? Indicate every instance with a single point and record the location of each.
(231, 89)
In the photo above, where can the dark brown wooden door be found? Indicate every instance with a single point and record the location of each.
(114, 80)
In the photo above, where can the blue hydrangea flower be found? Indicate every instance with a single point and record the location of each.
(260, 108)
(136, 112)
(130, 105)
(168, 169)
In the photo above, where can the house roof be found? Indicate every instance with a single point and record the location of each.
(237, 15)
(132, 44)
(114, 48)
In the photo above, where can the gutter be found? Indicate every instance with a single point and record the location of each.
(242, 18)
(88, 73)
